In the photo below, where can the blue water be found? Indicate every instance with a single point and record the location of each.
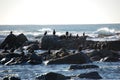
(40, 29)
(32, 31)
(29, 72)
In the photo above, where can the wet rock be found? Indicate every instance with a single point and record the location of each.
(110, 59)
(74, 67)
(11, 78)
(4, 60)
(77, 58)
(91, 75)
(51, 76)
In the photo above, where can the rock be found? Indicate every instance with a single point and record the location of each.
(34, 59)
(21, 39)
(10, 41)
(74, 67)
(110, 59)
(11, 78)
(4, 60)
(91, 75)
(50, 42)
(95, 58)
(33, 46)
(13, 41)
(77, 58)
(34, 62)
(51, 76)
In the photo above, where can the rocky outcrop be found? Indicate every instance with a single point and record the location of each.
(74, 67)
(77, 58)
(91, 75)
(13, 41)
(56, 42)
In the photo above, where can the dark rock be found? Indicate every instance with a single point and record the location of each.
(34, 62)
(95, 58)
(77, 58)
(10, 41)
(11, 78)
(34, 59)
(4, 60)
(33, 46)
(91, 75)
(51, 76)
(73, 67)
(50, 42)
(21, 39)
(110, 59)
(13, 41)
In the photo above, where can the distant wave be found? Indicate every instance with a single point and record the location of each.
(105, 31)
(45, 29)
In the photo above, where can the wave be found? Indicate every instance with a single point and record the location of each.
(45, 29)
(105, 31)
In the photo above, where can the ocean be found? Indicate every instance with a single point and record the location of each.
(108, 70)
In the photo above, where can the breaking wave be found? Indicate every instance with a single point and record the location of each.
(105, 31)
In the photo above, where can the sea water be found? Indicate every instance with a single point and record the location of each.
(108, 70)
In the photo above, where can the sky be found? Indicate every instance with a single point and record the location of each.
(59, 12)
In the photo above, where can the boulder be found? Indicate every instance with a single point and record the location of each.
(21, 39)
(51, 76)
(74, 67)
(50, 42)
(77, 58)
(10, 41)
(90, 75)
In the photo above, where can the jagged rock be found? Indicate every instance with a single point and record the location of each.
(10, 41)
(77, 58)
(91, 75)
(74, 67)
(51, 76)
